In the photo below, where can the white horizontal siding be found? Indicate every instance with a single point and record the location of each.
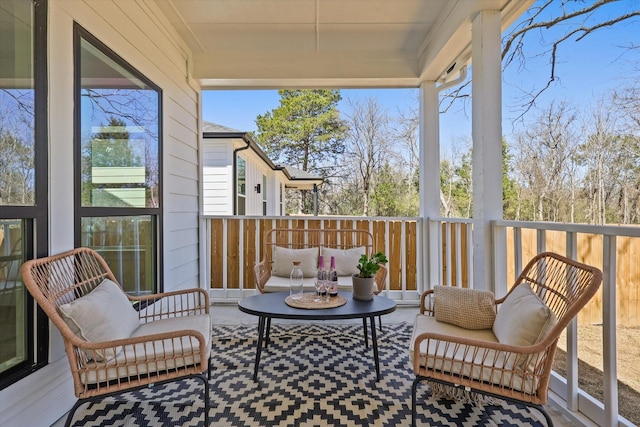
(140, 34)
(217, 176)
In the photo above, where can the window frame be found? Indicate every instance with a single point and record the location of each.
(35, 217)
(281, 196)
(241, 189)
(264, 195)
(80, 33)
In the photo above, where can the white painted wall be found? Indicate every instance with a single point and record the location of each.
(256, 169)
(139, 33)
(217, 177)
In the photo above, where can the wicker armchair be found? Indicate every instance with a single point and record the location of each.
(167, 337)
(512, 359)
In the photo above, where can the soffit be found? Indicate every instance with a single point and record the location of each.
(326, 43)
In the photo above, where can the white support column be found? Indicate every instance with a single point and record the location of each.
(486, 124)
(429, 179)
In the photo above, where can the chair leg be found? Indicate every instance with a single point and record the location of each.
(205, 383)
(201, 377)
(414, 392)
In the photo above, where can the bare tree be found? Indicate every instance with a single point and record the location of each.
(545, 153)
(455, 180)
(368, 143)
(17, 180)
(627, 100)
(406, 131)
(597, 155)
(611, 158)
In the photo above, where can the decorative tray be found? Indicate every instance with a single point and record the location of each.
(307, 301)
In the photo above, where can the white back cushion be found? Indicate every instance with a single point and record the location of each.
(283, 261)
(523, 319)
(104, 314)
(346, 259)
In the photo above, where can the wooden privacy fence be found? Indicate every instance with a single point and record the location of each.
(589, 251)
(236, 244)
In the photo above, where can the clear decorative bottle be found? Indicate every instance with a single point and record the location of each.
(322, 277)
(333, 278)
(297, 281)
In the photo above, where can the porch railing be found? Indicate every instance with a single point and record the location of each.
(236, 244)
(425, 252)
(615, 250)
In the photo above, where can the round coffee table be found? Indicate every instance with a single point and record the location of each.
(273, 306)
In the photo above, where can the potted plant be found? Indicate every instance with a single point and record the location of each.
(364, 280)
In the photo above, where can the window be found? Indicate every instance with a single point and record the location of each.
(264, 195)
(281, 198)
(241, 186)
(23, 185)
(118, 169)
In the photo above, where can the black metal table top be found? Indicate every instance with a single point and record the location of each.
(272, 305)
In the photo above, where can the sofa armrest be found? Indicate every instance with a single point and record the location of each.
(261, 274)
(426, 303)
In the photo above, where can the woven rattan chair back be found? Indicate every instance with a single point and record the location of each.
(167, 354)
(564, 285)
(63, 278)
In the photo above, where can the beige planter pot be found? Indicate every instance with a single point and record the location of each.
(363, 287)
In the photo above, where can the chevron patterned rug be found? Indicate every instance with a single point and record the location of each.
(311, 375)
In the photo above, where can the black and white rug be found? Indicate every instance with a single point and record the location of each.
(311, 375)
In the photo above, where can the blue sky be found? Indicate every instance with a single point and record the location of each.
(585, 71)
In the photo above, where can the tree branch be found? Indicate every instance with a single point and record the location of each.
(515, 41)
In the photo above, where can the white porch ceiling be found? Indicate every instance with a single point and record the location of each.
(327, 43)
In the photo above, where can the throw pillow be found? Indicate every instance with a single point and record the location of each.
(104, 314)
(523, 319)
(346, 259)
(464, 307)
(283, 261)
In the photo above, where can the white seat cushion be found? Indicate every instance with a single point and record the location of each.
(178, 352)
(283, 284)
